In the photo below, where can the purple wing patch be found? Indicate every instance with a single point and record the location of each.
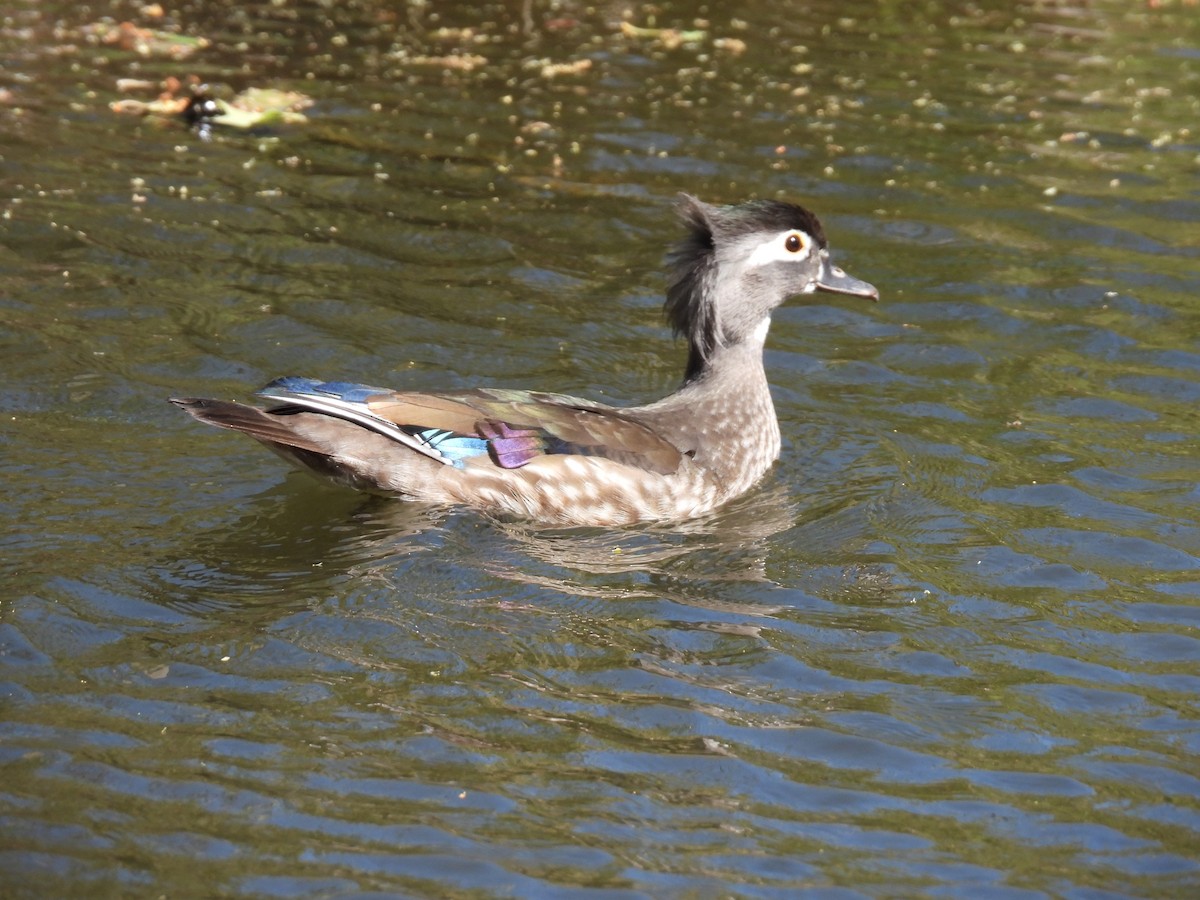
(511, 448)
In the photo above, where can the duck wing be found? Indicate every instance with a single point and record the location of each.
(507, 429)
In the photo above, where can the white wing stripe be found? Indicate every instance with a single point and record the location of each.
(355, 413)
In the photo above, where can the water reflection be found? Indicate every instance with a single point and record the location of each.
(293, 537)
(298, 532)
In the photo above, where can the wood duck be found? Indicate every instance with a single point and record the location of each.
(560, 460)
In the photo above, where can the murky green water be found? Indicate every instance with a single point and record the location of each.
(951, 647)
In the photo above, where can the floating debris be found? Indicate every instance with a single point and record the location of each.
(200, 113)
(251, 108)
(668, 37)
(134, 85)
(144, 41)
(464, 62)
(554, 70)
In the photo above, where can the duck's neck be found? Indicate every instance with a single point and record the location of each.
(734, 369)
(728, 362)
(723, 415)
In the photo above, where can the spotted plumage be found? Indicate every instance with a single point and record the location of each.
(562, 460)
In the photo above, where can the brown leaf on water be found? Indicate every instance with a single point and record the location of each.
(144, 41)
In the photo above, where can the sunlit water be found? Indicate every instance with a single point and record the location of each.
(949, 647)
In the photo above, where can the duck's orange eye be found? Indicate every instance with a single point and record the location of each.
(793, 243)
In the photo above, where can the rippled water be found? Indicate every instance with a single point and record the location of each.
(951, 646)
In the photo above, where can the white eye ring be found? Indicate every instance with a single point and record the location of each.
(791, 246)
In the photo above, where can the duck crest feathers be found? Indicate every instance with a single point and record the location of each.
(689, 307)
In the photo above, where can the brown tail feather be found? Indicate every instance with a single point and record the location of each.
(271, 429)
